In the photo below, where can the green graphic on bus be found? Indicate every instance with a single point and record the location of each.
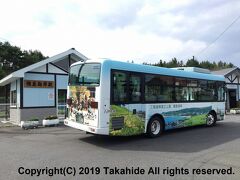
(125, 123)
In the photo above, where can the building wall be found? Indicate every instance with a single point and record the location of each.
(33, 102)
(35, 97)
(39, 113)
(237, 89)
(40, 69)
(232, 83)
(37, 102)
(15, 115)
(53, 69)
(62, 81)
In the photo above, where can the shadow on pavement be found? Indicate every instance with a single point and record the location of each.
(184, 140)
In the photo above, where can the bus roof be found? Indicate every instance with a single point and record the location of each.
(119, 65)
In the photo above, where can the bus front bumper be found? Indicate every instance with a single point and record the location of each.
(87, 128)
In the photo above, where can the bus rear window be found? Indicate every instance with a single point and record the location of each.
(85, 74)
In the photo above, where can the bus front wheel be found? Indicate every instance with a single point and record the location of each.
(155, 127)
(211, 119)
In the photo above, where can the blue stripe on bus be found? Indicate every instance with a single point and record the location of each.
(158, 70)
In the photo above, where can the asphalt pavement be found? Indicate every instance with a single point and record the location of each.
(66, 153)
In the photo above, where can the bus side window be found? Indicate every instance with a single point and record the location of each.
(192, 90)
(182, 93)
(151, 88)
(119, 87)
(181, 89)
(158, 88)
(220, 91)
(135, 88)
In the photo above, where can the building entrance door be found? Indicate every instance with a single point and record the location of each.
(61, 105)
(232, 98)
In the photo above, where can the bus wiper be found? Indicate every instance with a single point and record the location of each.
(89, 83)
(80, 69)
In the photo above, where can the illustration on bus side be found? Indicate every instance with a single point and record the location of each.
(186, 117)
(125, 121)
(83, 107)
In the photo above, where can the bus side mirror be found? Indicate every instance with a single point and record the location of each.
(69, 101)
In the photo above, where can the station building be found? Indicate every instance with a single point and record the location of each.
(40, 90)
(232, 79)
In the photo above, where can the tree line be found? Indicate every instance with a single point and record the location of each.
(12, 58)
(192, 63)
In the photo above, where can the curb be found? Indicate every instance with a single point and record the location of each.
(7, 125)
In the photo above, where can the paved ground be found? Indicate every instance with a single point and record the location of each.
(178, 152)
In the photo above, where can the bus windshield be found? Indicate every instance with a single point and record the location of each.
(85, 74)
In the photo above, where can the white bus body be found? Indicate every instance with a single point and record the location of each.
(120, 99)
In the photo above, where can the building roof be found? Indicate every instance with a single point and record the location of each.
(227, 71)
(20, 73)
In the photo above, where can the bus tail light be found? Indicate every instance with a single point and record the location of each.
(94, 105)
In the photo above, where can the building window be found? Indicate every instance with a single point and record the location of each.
(62, 97)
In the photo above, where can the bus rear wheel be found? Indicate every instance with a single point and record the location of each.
(155, 127)
(211, 119)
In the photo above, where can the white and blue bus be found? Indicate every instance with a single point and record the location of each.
(120, 99)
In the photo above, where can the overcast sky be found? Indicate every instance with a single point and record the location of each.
(139, 30)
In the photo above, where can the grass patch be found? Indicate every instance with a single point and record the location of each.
(195, 120)
(51, 117)
(133, 124)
